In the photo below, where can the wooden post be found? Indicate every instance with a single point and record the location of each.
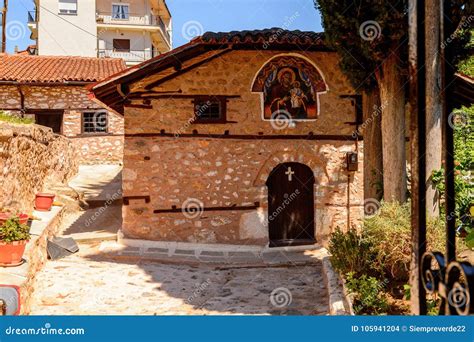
(448, 71)
(416, 58)
(4, 26)
(433, 102)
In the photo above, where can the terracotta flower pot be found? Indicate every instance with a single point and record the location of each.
(5, 216)
(11, 253)
(43, 201)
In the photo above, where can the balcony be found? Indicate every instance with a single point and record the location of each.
(130, 57)
(144, 22)
(131, 19)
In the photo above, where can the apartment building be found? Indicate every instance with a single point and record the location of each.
(134, 30)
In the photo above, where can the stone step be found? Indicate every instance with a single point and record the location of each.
(196, 253)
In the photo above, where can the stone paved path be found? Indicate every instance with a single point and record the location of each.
(89, 283)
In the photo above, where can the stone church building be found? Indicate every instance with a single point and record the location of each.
(239, 138)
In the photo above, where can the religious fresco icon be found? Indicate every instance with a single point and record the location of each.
(290, 87)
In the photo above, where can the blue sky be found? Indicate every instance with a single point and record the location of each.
(193, 17)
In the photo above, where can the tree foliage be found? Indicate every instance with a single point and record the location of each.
(366, 32)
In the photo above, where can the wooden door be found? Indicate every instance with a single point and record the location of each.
(291, 205)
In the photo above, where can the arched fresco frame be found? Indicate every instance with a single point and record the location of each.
(297, 68)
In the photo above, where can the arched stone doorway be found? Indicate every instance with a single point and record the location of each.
(291, 205)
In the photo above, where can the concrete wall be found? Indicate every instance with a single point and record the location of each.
(91, 148)
(223, 172)
(73, 36)
(136, 7)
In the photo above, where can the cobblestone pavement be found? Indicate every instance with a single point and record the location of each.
(89, 283)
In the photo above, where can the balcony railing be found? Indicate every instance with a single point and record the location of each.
(32, 16)
(129, 19)
(162, 25)
(128, 56)
(133, 19)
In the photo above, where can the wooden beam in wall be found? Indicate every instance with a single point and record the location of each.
(308, 136)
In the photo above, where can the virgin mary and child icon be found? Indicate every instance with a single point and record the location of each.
(288, 94)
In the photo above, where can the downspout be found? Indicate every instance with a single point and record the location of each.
(22, 101)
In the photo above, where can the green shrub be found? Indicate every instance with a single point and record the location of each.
(389, 232)
(351, 252)
(12, 230)
(11, 118)
(368, 295)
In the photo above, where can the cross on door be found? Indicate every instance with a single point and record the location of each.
(290, 174)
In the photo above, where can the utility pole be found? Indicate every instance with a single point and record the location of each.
(4, 25)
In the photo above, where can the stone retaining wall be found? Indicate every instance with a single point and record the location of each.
(31, 156)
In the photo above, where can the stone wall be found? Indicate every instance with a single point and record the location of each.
(222, 171)
(74, 100)
(216, 173)
(31, 156)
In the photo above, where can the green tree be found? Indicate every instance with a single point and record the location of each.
(371, 37)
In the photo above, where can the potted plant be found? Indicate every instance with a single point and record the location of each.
(7, 214)
(44, 201)
(13, 239)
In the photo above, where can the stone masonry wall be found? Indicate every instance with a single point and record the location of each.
(30, 157)
(216, 173)
(92, 148)
(223, 172)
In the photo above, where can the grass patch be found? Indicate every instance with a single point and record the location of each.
(11, 118)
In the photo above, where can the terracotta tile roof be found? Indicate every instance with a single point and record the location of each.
(269, 36)
(57, 69)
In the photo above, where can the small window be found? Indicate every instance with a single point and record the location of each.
(209, 109)
(67, 6)
(94, 122)
(122, 45)
(120, 11)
